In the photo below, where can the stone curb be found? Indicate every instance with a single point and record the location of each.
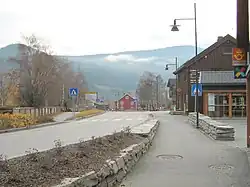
(114, 171)
(216, 130)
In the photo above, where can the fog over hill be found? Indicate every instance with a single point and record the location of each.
(119, 72)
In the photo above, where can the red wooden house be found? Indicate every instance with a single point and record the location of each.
(127, 102)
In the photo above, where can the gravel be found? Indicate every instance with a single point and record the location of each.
(44, 169)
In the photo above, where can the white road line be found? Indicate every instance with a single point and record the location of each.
(129, 119)
(117, 119)
(140, 118)
(83, 120)
(104, 120)
(94, 120)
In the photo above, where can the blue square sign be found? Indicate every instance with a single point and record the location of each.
(194, 89)
(73, 91)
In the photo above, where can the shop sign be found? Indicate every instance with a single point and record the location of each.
(240, 72)
(239, 57)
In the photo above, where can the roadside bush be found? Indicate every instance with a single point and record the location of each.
(85, 113)
(16, 120)
(45, 119)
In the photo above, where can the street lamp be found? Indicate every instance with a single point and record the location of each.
(174, 29)
(176, 66)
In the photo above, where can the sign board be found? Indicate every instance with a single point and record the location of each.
(239, 57)
(194, 89)
(91, 96)
(240, 72)
(73, 92)
(211, 102)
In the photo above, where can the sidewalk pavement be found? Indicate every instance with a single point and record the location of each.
(64, 116)
(183, 156)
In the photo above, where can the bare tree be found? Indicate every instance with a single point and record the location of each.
(146, 89)
(41, 74)
(8, 87)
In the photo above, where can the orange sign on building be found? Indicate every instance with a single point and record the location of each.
(239, 57)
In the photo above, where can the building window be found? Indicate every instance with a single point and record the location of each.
(218, 105)
(239, 104)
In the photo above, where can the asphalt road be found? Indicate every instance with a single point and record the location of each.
(16, 143)
(204, 162)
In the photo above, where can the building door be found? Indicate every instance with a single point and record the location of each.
(239, 104)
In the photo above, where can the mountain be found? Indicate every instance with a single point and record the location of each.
(118, 72)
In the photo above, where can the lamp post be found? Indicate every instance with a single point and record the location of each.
(174, 29)
(176, 88)
(243, 42)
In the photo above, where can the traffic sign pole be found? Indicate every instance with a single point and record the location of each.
(73, 92)
(196, 100)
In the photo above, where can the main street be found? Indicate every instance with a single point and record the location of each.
(16, 143)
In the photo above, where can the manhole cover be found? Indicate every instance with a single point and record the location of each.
(170, 157)
(223, 168)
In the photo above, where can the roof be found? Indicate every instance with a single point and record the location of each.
(206, 52)
(171, 82)
(126, 94)
(219, 77)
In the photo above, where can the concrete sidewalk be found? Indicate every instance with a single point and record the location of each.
(183, 156)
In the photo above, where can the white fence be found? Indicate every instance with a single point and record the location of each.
(36, 111)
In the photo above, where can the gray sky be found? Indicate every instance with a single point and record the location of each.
(79, 27)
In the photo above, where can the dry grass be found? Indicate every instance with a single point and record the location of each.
(86, 113)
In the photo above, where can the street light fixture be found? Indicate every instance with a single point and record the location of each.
(175, 26)
(174, 29)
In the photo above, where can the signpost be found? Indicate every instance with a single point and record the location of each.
(73, 92)
(239, 62)
(194, 89)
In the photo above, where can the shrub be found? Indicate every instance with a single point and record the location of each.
(45, 119)
(16, 120)
(85, 113)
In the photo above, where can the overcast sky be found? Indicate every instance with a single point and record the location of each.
(79, 27)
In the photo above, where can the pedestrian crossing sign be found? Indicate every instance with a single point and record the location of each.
(73, 91)
(194, 89)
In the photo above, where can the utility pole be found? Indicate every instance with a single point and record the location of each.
(176, 79)
(243, 42)
(63, 95)
(2, 90)
(157, 91)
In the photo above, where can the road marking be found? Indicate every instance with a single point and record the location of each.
(104, 120)
(129, 119)
(117, 119)
(83, 120)
(94, 120)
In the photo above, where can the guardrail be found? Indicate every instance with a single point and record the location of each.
(216, 130)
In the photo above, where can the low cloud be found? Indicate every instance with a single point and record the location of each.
(130, 59)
